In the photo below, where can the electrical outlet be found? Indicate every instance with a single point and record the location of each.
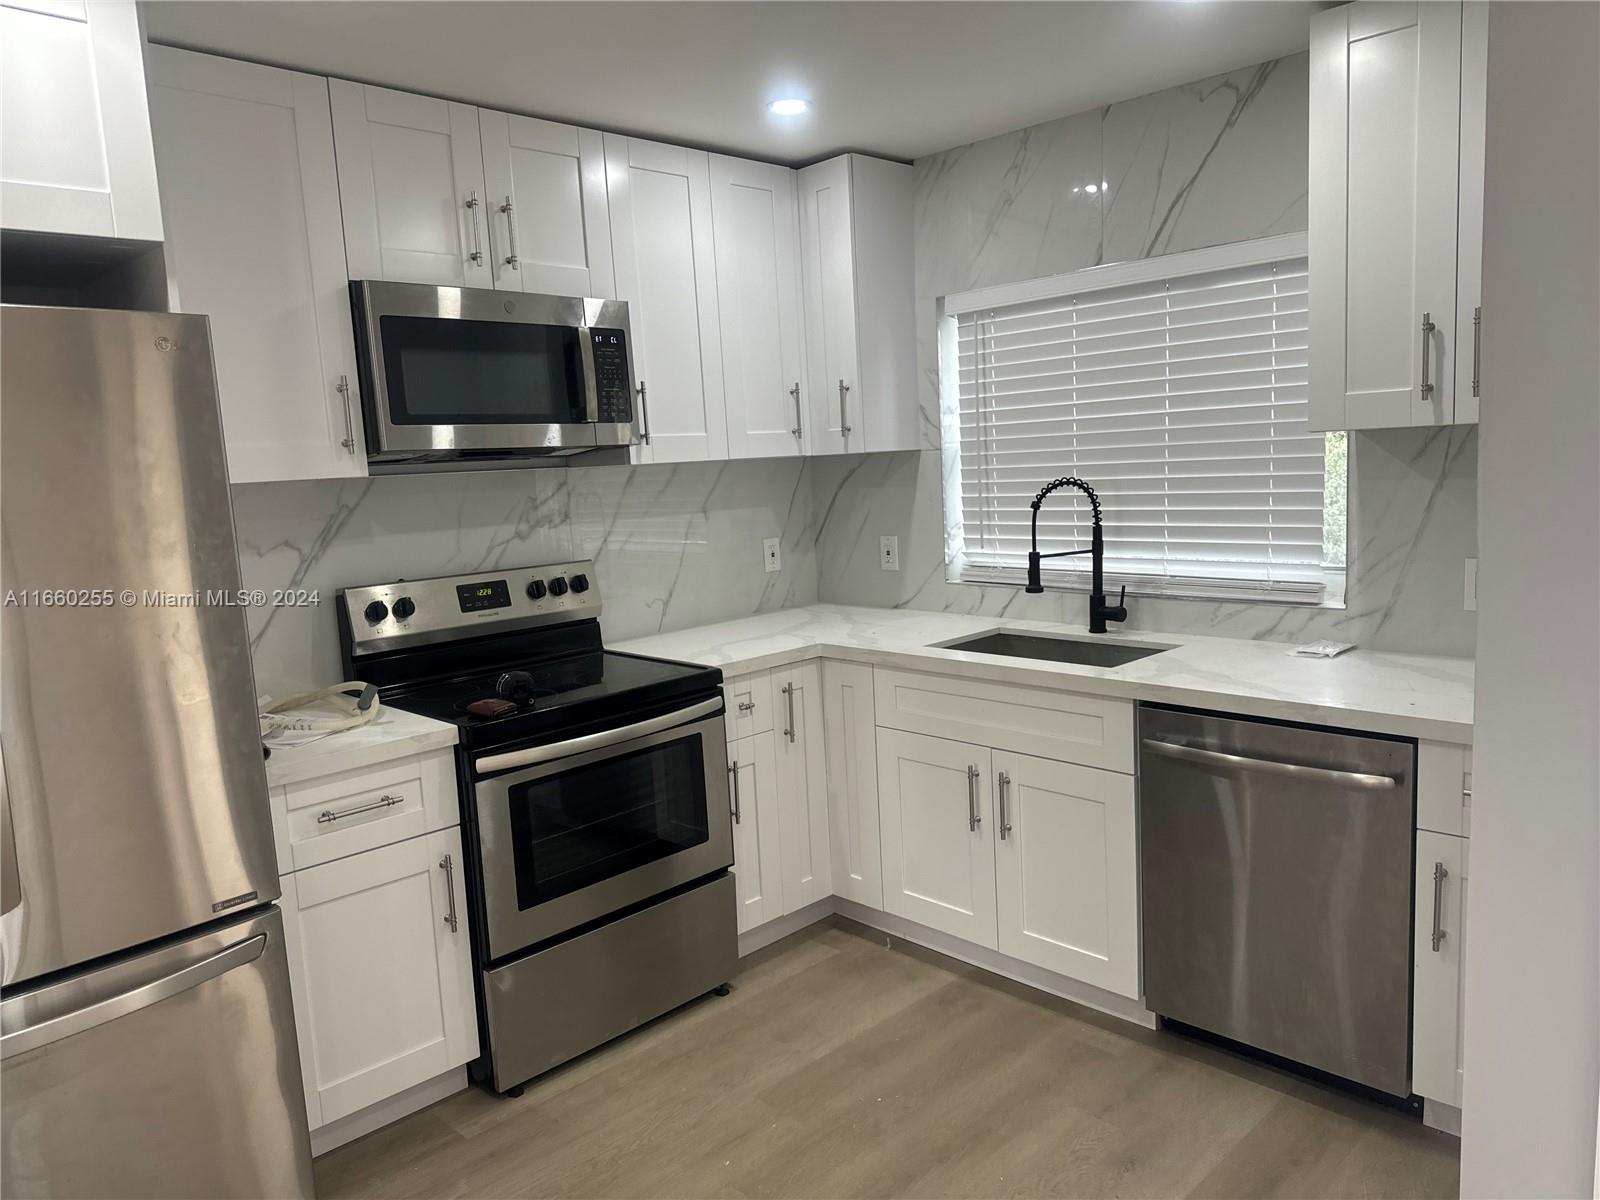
(889, 552)
(771, 555)
(1471, 596)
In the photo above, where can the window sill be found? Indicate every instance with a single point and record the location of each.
(1143, 587)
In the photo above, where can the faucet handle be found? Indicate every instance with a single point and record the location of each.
(1119, 612)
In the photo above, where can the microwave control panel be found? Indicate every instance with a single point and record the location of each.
(611, 375)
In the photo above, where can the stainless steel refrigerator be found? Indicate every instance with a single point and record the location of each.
(147, 1042)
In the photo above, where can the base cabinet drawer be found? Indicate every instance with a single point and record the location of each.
(381, 972)
(354, 811)
(1062, 726)
(1438, 951)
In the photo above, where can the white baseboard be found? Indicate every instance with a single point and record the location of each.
(1441, 1116)
(385, 1112)
(999, 964)
(763, 936)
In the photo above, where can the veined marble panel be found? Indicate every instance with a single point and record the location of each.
(1221, 160)
(674, 546)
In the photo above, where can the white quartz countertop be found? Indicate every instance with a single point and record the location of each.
(1411, 695)
(392, 734)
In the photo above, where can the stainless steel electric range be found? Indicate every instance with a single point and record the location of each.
(594, 803)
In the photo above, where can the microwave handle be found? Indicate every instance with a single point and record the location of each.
(644, 415)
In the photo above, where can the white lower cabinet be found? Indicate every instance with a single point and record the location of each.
(802, 786)
(1066, 853)
(935, 805)
(381, 972)
(851, 772)
(1438, 951)
(757, 854)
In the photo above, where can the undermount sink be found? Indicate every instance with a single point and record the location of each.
(1050, 649)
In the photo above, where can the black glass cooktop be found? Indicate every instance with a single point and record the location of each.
(530, 699)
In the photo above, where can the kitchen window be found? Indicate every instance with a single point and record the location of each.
(1176, 387)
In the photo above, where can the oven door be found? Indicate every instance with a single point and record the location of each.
(452, 371)
(625, 815)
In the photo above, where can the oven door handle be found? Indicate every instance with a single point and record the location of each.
(489, 763)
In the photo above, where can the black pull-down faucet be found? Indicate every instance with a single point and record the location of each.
(1099, 611)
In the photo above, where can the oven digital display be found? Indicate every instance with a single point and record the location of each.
(492, 593)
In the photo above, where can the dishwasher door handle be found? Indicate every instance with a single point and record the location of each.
(1238, 762)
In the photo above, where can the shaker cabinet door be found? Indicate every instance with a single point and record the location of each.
(1385, 114)
(660, 199)
(758, 297)
(936, 804)
(757, 854)
(802, 785)
(549, 220)
(254, 241)
(74, 121)
(382, 972)
(828, 272)
(411, 183)
(1438, 951)
(1067, 870)
(850, 749)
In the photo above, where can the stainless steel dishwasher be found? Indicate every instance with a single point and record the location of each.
(1276, 876)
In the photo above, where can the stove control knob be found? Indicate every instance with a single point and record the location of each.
(404, 607)
(536, 589)
(558, 586)
(375, 612)
(580, 583)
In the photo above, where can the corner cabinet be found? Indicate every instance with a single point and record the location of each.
(250, 193)
(665, 262)
(74, 123)
(855, 248)
(1396, 213)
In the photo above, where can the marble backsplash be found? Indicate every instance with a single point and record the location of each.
(1217, 161)
(673, 545)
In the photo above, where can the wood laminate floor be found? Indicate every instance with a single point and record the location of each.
(845, 1064)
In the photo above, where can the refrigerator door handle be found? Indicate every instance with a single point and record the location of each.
(31, 1037)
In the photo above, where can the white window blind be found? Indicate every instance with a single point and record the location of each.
(1180, 399)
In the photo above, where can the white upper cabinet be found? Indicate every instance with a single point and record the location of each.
(666, 270)
(855, 249)
(1469, 210)
(549, 222)
(758, 294)
(74, 121)
(1396, 154)
(251, 200)
(411, 184)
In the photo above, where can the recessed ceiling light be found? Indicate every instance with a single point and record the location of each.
(791, 107)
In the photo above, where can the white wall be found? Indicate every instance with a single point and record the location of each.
(1533, 936)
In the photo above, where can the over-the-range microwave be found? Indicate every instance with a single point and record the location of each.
(464, 377)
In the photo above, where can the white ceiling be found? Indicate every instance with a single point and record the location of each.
(899, 78)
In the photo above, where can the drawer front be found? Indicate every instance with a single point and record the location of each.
(1444, 788)
(749, 700)
(1090, 730)
(354, 811)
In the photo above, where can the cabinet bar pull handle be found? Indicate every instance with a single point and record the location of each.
(512, 260)
(644, 416)
(1439, 876)
(1477, 344)
(795, 392)
(844, 417)
(472, 219)
(1002, 786)
(973, 819)
(733, 774)
(788, 694)
(448, 866)
(1427, 329)
(343, 389)
(327, 816)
